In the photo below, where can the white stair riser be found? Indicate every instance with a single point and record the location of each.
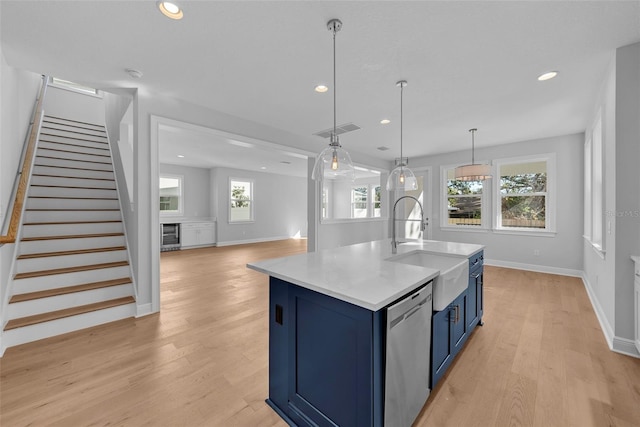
(34, 203)
(35, 284)
(70, 244)
(71, 229)
(45, 144)
(62, 121)
(69, 127)
(53, 138)
(72, 182)
(36, 190)
(52, 216)
(63, 261)
(74, 135)
(44, 161)
(39, 331)
(79, 173)
(61, 302)
(74, 156)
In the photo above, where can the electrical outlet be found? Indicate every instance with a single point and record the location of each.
(536, 252)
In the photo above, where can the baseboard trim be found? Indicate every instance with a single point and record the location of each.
(534, 267)
(143, 310)
(261, 240)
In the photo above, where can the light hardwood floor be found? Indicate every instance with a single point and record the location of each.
(539, 360)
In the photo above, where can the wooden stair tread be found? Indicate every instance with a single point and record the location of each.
(73, 198)
(70, 236)
(74, 138)
(38, 156)
(68, 290)
(72, 187)
(75, 131)
(60, 314)
(72, 252)
(71, 126)
(70, 144)
(71, 177)
(72, 222)
(69, 209)
(65, 270)
(74, 152)
(73, 167)
(74, 121)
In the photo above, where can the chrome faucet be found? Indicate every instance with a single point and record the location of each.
(423, 224)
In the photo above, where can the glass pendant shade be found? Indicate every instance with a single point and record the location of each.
(473, 172)
(333, 163)
(402, 178)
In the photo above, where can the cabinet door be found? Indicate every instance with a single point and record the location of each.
(459, 322)
(637, 311)
(206, 236)
(189, 236)
(441, 348)
(474, 299)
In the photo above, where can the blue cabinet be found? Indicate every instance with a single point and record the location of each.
(325, 359)
(451, 327)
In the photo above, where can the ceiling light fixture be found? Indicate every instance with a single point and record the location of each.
(473, 172)
(321, 88)
(385, 121)
(401, 177)
(136, 74)
(334, 162)
(170, 9)
(181, 156)
(547, 76)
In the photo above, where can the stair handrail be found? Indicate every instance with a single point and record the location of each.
(19, 190)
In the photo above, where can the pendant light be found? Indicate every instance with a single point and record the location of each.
(473, 172)
(334, 162)
(401, 178)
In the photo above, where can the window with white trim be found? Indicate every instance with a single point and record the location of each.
(524, 186)
(241, 200)
(365, 201)
(597, 202)
(75, 87)
(462, 201)
(171, 194)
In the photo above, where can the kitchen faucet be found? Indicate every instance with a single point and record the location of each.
(423, 224)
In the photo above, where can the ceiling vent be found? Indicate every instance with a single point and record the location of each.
(340, 129)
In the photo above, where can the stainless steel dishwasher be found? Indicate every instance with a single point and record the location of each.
(408, 356)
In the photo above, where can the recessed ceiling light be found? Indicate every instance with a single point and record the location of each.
(385, 121)
(181, 156)
(321, 88)
(547, 76)
(170, 9)
(263, 167)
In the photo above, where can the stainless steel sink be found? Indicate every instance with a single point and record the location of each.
(453, 278)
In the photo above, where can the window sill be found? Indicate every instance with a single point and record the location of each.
(465, 229)
(241, 222)
(351, 220)
(524, 232)
(596, 248)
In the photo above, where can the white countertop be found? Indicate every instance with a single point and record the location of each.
(361, 274)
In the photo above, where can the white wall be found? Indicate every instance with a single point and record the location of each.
(560, 253)
(66, 103)
(18, 92)
(280, 209)
(196, 191)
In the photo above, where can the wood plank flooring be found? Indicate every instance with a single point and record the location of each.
(540, 359)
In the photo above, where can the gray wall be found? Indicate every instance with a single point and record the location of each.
(609, 276)
(66, 103)
(280, 210)
(197, 191)
(560, 253)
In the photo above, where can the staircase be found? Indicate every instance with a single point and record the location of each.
(72, 266)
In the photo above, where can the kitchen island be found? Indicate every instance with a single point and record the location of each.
(327, 326)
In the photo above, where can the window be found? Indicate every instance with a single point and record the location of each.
(595, 181)
(523, 191)
(462, 202)
(365, 201)
(171, 199)
(241, 200)
(75, 87)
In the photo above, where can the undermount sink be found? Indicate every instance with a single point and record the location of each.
(453, 278)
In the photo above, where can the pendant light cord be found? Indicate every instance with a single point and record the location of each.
(334, 139)
(401, 91)
(473, 145)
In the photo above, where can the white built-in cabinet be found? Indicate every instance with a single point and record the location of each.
(636, 299)
(198, 234)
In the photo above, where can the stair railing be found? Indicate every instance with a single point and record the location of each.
(21, 181)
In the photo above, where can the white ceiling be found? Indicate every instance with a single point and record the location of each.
(468, 64)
